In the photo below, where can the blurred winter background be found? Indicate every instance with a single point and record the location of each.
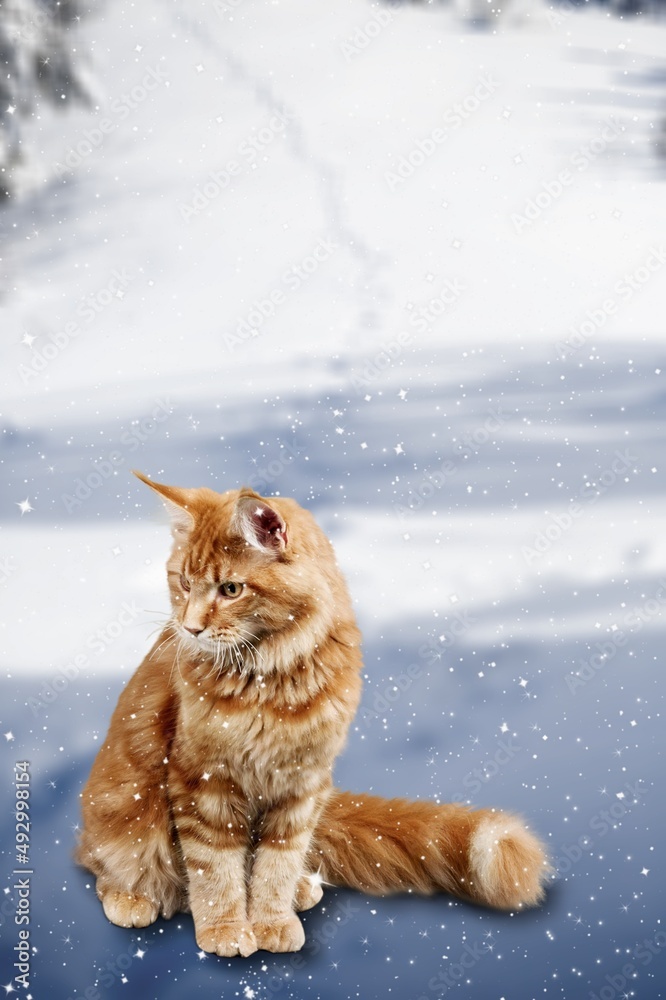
(406, 263)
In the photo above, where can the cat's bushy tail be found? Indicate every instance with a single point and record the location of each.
(382, 846)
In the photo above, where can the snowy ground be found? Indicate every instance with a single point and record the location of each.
(450, 245)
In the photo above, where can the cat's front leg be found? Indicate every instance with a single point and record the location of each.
(279, 864)
(212, 823)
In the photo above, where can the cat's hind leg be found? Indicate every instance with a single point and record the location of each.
(130, 844)
(126, 909)
(308, 892)
(128, 840)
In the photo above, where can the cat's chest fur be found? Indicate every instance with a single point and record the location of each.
(264, 741)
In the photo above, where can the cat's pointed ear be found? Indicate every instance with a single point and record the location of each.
(259, 524)
(178, 502)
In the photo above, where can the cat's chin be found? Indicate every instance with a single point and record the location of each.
(222, 654)
(200, 644)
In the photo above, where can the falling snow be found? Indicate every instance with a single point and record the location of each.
(450, 351)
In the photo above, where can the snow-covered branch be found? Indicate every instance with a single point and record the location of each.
(36, 61)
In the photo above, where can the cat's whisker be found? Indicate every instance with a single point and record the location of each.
(251, 650)
(246, 633)
(174, 661)
(164, 645)
(217, 655)
(223, 652)
(211, 658)
(179, 649)
(171, 629)
(162, 618)
(237, 655)
(246, 641)
(245, 652)
(220, 650)
(295, 623)
(160, 628)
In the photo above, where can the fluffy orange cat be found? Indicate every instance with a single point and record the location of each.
(213, 793)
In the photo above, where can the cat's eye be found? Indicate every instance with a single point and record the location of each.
(184, 582)
(231, 589)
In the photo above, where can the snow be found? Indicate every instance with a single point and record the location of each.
(457, 366)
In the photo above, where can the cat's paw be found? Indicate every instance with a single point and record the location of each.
(228, 938)
(126, 909)
(308, 893)
(283, 933)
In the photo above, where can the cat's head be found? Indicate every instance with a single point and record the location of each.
(254, 583)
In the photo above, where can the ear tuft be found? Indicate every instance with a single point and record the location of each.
(259, 524)
(178, 504)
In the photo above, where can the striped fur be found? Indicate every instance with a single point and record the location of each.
(212, 792)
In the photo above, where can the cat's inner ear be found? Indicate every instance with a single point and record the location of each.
(178, 504)
(259, 524)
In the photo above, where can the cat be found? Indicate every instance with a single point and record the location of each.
(212, 792)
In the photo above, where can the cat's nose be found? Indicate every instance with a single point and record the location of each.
(193, 631)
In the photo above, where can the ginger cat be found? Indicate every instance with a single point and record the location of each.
(213, 793)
